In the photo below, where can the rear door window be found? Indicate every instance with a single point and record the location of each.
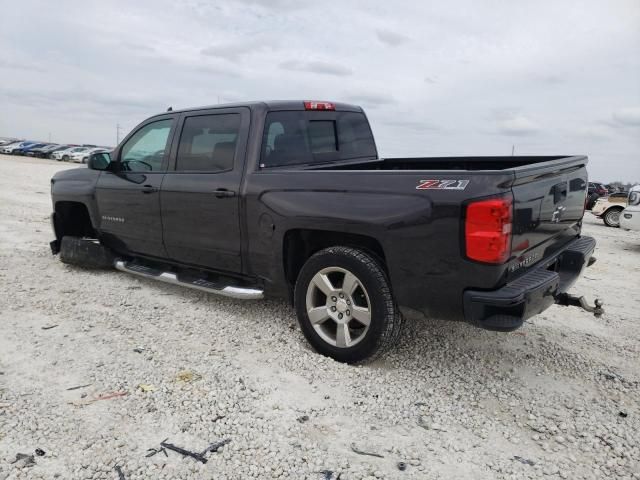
(208, 143)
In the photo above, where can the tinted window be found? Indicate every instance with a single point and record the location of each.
(314, 137)
(145, 150)
(208, 143)
(322, 136)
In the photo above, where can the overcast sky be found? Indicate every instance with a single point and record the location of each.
(436, 78)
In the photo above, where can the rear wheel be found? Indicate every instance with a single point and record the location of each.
(65, 158)
(612, 217)
(345, 306)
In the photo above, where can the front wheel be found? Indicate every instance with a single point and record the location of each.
(65, 158)
(612, 217)
(345, 306)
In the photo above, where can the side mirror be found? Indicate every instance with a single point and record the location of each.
(99, 161)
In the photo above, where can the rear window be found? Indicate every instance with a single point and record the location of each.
(302, 137)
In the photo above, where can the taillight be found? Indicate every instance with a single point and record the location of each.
(313, 105)
(487, 230)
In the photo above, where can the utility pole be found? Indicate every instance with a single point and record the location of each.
(117, 134)
(513, 149)
(49, 137)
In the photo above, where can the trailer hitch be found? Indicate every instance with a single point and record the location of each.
(568, 300)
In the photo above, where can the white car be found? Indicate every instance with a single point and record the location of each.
(9, 148)
(82, 157)
(65, 155)
(609, 208)
(630, 216)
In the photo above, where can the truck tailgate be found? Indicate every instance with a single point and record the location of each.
(548, 203)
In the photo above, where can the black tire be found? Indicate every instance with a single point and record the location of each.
(385, 319)
(65, 158)
(85, 253)
(612, 217)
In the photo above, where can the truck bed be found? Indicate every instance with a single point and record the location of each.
(441, 163)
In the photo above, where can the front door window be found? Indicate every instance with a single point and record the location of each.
(145, 150)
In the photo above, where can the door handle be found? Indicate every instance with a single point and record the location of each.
(149, 189)
(223, 193)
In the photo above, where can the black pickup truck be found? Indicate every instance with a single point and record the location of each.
(290, 199)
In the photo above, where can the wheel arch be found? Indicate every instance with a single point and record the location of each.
(73, 219)
(300, 244)
(613, 207)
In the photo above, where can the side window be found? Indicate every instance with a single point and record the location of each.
(208, 143)
(144, 151)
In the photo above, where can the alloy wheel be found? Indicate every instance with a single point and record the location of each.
(338, 307)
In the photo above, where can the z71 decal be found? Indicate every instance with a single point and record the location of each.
(442, 185)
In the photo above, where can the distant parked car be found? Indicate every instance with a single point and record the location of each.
(595, 190)
(28, 148)
(609, 208)
(83, 156)
(9, 143)
(15, 146)
(41, 151)
(630, 216)
(58, 148)
(595, 187)
(65, 155)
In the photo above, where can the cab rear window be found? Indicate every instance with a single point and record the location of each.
(302, 137)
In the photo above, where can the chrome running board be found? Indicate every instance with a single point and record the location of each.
(243, 293)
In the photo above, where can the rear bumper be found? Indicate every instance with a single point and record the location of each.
(508, 307)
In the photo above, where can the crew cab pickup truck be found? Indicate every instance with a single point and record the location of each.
(290, 199)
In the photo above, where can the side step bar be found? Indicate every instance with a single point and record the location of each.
(243, 293)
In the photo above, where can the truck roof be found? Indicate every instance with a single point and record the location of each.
(269, 105)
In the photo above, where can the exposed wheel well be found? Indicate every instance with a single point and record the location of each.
(72, 218)
(300, 244)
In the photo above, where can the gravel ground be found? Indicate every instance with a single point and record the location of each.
(557, 398)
